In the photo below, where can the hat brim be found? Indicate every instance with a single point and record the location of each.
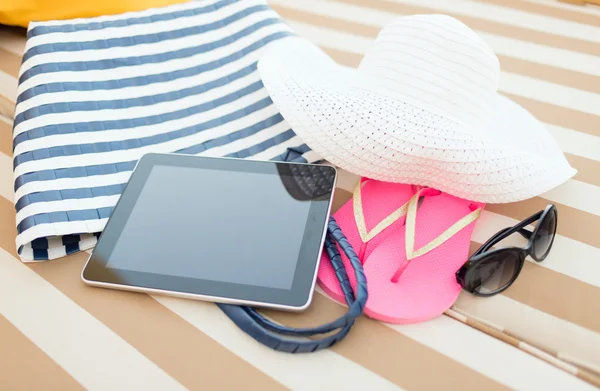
(511, 159)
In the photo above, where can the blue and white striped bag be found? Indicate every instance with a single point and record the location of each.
(96, 94)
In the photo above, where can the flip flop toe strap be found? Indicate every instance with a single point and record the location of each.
(410, 235)
(270, 333)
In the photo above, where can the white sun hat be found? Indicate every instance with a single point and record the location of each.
(422, 108)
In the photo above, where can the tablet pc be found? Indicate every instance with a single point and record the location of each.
(219, 229)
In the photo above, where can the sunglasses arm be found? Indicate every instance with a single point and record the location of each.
(506, 232)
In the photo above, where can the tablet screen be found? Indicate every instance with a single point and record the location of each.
(232, 230)
(239, 227)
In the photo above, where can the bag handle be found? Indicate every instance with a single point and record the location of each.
(271, 334)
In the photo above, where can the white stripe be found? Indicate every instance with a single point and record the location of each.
(576, 194)
(66, 205)
(100, 180)
(150, 69)
(126, 15)
(141, 112)
(145, 111)
(123, 177)
(6, 174)
(541, 54)
(523, 50)
(542, 91)
(139, 91)
(56, 251)
(568, 256)
(512, 17)
(93, 181)
(87, 241)
(143, 29)
(551, 332)
(60, 229)
(55, 242)
(489, 356)
(576, 143)
(545, 91)
(73, 338)
(26, 253)
(298, 372)
(12, 41)
(72, 183)
(247, 142)
(134, 154)
(152, 48)
(311, 156)
(8, 86)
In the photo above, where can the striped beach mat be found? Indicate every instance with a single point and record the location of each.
(96, 94)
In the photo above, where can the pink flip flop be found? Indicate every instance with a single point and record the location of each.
(411, 273)
(366, 225)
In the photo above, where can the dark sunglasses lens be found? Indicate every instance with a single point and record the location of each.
(545, 235)
(494, 272)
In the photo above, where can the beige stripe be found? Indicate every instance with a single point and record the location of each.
(560, 116)
(390, 354)
(158, 337)
(550, 358)
(9, 63)
(551, 334)
(572, 223)
(331, 369)
(565, 5)
(546, 10)
(5, 140)
(502, 335)
(187, 354)
(489, 26)
(588, 170)
(487, 355)
(181, 350)
(13, 39)
(24, 366)
(325, 21)
(344, 58)
(552, 74)
(74, 339)
(568, 118)
(7, 107)
(6, 174)
(557, 295)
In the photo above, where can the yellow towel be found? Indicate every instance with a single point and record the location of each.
(21, 12)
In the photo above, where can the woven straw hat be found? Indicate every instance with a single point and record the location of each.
(422, 108)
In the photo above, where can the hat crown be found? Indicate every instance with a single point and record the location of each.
(435, 63)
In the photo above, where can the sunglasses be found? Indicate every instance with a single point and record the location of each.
(489, 272)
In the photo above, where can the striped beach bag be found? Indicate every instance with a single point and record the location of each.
(96, 94)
